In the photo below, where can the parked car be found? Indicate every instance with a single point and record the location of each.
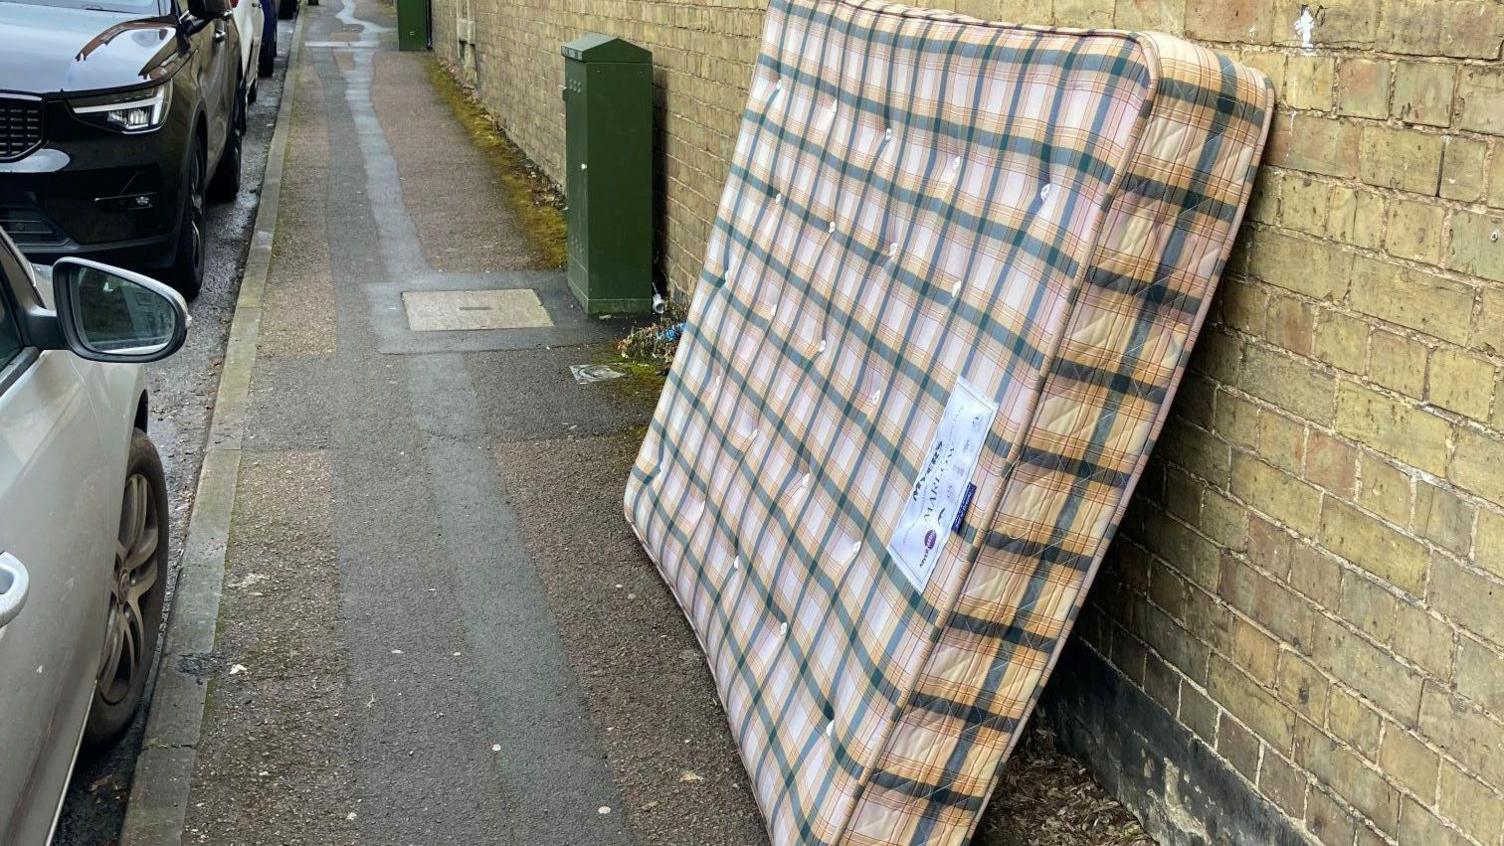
(267, 58)
(250, 25)
(83, 519)
(114, 116)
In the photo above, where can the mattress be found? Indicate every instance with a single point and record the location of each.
(954, 278)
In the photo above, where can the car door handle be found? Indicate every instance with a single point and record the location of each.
(14, 583)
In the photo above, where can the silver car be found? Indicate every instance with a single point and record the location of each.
(83, 519)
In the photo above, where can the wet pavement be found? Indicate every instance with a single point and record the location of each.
(181, 392)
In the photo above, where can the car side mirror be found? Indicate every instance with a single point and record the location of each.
(208, 10)
(114, 315)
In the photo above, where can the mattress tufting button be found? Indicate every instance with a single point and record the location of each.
(831, 227)
(830, 729)
(888, 134)
(1045, 191)
(736, 563)
(893, 250)
(820, 348)
(778, 199)
(783, 629)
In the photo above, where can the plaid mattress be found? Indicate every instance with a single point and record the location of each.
(954, 279)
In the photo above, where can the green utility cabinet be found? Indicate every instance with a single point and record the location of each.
(413, 19)
(608, 127)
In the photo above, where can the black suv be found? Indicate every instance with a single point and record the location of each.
(113, 116)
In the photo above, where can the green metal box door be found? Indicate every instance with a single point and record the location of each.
(608, 128)
(412, 25)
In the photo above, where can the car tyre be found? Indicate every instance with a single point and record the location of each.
(137, 593)
(226, 182)
(187, 272)
(266, 61)
(287, 9)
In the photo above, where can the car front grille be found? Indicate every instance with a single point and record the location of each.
(20, 127)
(27, 226)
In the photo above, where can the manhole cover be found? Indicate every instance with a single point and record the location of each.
(440, 311)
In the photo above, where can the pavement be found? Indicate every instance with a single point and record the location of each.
(413, 613)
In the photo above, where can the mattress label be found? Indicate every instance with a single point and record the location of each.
(943, 488)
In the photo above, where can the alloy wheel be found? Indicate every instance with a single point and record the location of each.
(136, 572)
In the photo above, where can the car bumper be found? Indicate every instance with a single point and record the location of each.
(96, 194)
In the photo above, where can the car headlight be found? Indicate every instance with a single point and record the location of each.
(140, 110)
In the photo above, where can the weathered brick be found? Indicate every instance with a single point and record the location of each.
(1419, 825)
(1428, 303)
(1305, 205)
(1496, 178)
(1363, 87)
(1463, 732)
(1353, 721)
(1414, 230)
(1411, 762)
(1270, 604)
(1316, 575)
(1243, 305)
(1467, 599)
(1462, 172)
(1461, 28)
(1398, 363)
(1345, 773)
(1488, 330)
(1477, 245)
(1315, 144)
(1369, 669)
(1331, 463)
(1237, 419)
(1198, 712)
(1475, 807)
(1383, 489)
(1423, 92)
(1461, 383)
(1342, 341)
(1308, 82)
(1290, 324)
(1161, 681)
(1289, 383)
(1313, 268)
(1406, 159)
(1344, 22)
(1423, 639)
(1241, 21)
(1224, 520)
(1282, 441)
(1301, 686)
(1416, 437)
(1480, 99)
(1276, 493)
(1328, 820)
(1240, 747)
(1488, 551)
(1171, 641)
(1480, 674)
(1162, 15)
(1284, 783)
(1478, 463)
(1251, 705)
(1373, 546)
(1368, 606)
(1255, 652)
(1443, 518)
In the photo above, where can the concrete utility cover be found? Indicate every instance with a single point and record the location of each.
(437, 311)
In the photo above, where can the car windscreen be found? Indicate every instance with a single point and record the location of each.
(134, 7)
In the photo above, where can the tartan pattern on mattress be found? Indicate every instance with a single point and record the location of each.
(917, 198)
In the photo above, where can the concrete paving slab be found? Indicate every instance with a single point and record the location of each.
(452, 311)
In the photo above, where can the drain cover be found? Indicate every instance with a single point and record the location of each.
(439, 311)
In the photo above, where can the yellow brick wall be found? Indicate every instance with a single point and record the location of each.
(1312, 575)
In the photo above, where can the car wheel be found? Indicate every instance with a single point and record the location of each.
(266, 60)
(187, 273)
(226, 182)
(287, 9)
(255, 91)
(136, 596)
